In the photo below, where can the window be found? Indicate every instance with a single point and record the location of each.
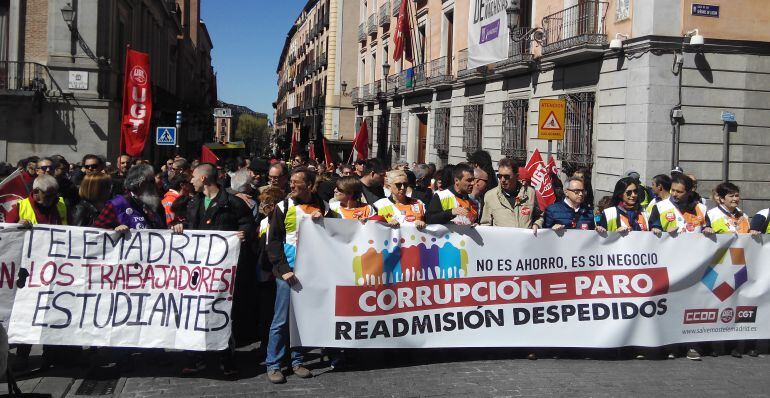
(441, 131)
(472, 127)
(514, 143)
(395, 132)
(4, 23)
(622, 10)
(577, 148)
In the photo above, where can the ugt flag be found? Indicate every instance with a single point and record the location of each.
(12, 190)
(541, 180)
(137, 103)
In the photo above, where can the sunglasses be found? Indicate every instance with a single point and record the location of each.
(91, 166)
(631, 193)
(400, 185)
(45, 168)
(577, 191)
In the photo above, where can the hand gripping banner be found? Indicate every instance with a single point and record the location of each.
(370, 286)
(150, 288)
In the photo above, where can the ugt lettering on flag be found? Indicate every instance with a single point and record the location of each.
(137, 103)
(541, 180)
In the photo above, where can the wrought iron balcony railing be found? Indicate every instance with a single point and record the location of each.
(372, 24)
(440, 71)
(396, 7)
(361, 32)
(577, 25)
(25, 76)
(385, 14)
(355, 95)
(463, 72)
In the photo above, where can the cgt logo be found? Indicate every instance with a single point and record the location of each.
(700, 316)
(745, 314)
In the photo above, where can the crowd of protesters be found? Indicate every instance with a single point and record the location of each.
(262, 199)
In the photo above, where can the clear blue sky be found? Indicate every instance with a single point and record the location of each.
(248, 37)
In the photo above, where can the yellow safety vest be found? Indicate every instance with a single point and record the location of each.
(27, 212)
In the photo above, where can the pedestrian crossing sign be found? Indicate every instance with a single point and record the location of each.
(165, 136)
(551, 119)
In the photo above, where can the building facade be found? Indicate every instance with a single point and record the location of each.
(623, 104)
(314, 71)
(61, 74)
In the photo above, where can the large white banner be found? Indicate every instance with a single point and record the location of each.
(11, 242)
(487, 32)
(371, 286)
(149, 288)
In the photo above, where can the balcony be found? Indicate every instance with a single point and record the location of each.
(385, 14)
(319, 101)
(355, 96)
(441, 73)
(24, 78)
(362, 33)
(324, 61)
(469, 76)
(393, 83)
(326, 20)
(519, 53)
(373, 91)
(396, 7)
(372, 25)
(292, 113)
(413, 80)
(575, 33)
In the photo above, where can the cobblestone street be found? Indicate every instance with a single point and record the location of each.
(423, 373)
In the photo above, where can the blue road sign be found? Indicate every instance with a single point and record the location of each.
(165, 136)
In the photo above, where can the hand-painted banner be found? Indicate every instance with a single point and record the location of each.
(149, 288)
(370, 286)
(11, 242)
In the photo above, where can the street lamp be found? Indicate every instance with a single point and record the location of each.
(513, 10)
(68, 14)
(344, 87)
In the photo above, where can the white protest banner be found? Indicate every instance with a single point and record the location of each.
(487, 32)
(150, 288)
(370, 286)
(11, 242)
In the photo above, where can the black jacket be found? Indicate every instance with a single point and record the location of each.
(83, 214)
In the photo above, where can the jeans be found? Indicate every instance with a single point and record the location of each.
(279, 330)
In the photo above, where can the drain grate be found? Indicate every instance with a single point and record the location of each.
(97, 387)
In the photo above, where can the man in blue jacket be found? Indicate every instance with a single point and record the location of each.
(571, 213)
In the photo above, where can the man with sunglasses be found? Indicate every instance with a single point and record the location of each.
(92, 164)
(572, 212)
(512, 203)
(46, 166)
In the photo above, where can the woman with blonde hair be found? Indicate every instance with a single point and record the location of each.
(398, 208)
(94, 192)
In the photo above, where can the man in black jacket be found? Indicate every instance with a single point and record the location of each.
(213, 208)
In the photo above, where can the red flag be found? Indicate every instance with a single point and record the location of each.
(137, 103)
(294, 150)
(327, 154)
(361, 143)
(541, 180)
(552, 169)
(311, 152)
(403, 40)
(12, 190)
(207, 156)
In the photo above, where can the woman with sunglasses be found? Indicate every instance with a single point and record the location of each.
(398, 208)
(626, 214)
(347, 204)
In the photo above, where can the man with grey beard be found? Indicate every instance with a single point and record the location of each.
(138, 208)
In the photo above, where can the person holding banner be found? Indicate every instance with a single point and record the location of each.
(572, 212)
(45, 207)
(727, 217)
(626, 213)
(682, 212)
(348, 206)
(400, 209)
(94, 193)
(759, 223)
(454, 204)
(139, 208)
(213, 208)
(512, 203)
(282, 251)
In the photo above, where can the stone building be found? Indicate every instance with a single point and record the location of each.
(620, 102)
(315, 68)
(61, 74)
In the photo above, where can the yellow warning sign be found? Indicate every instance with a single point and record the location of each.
(550, 124)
